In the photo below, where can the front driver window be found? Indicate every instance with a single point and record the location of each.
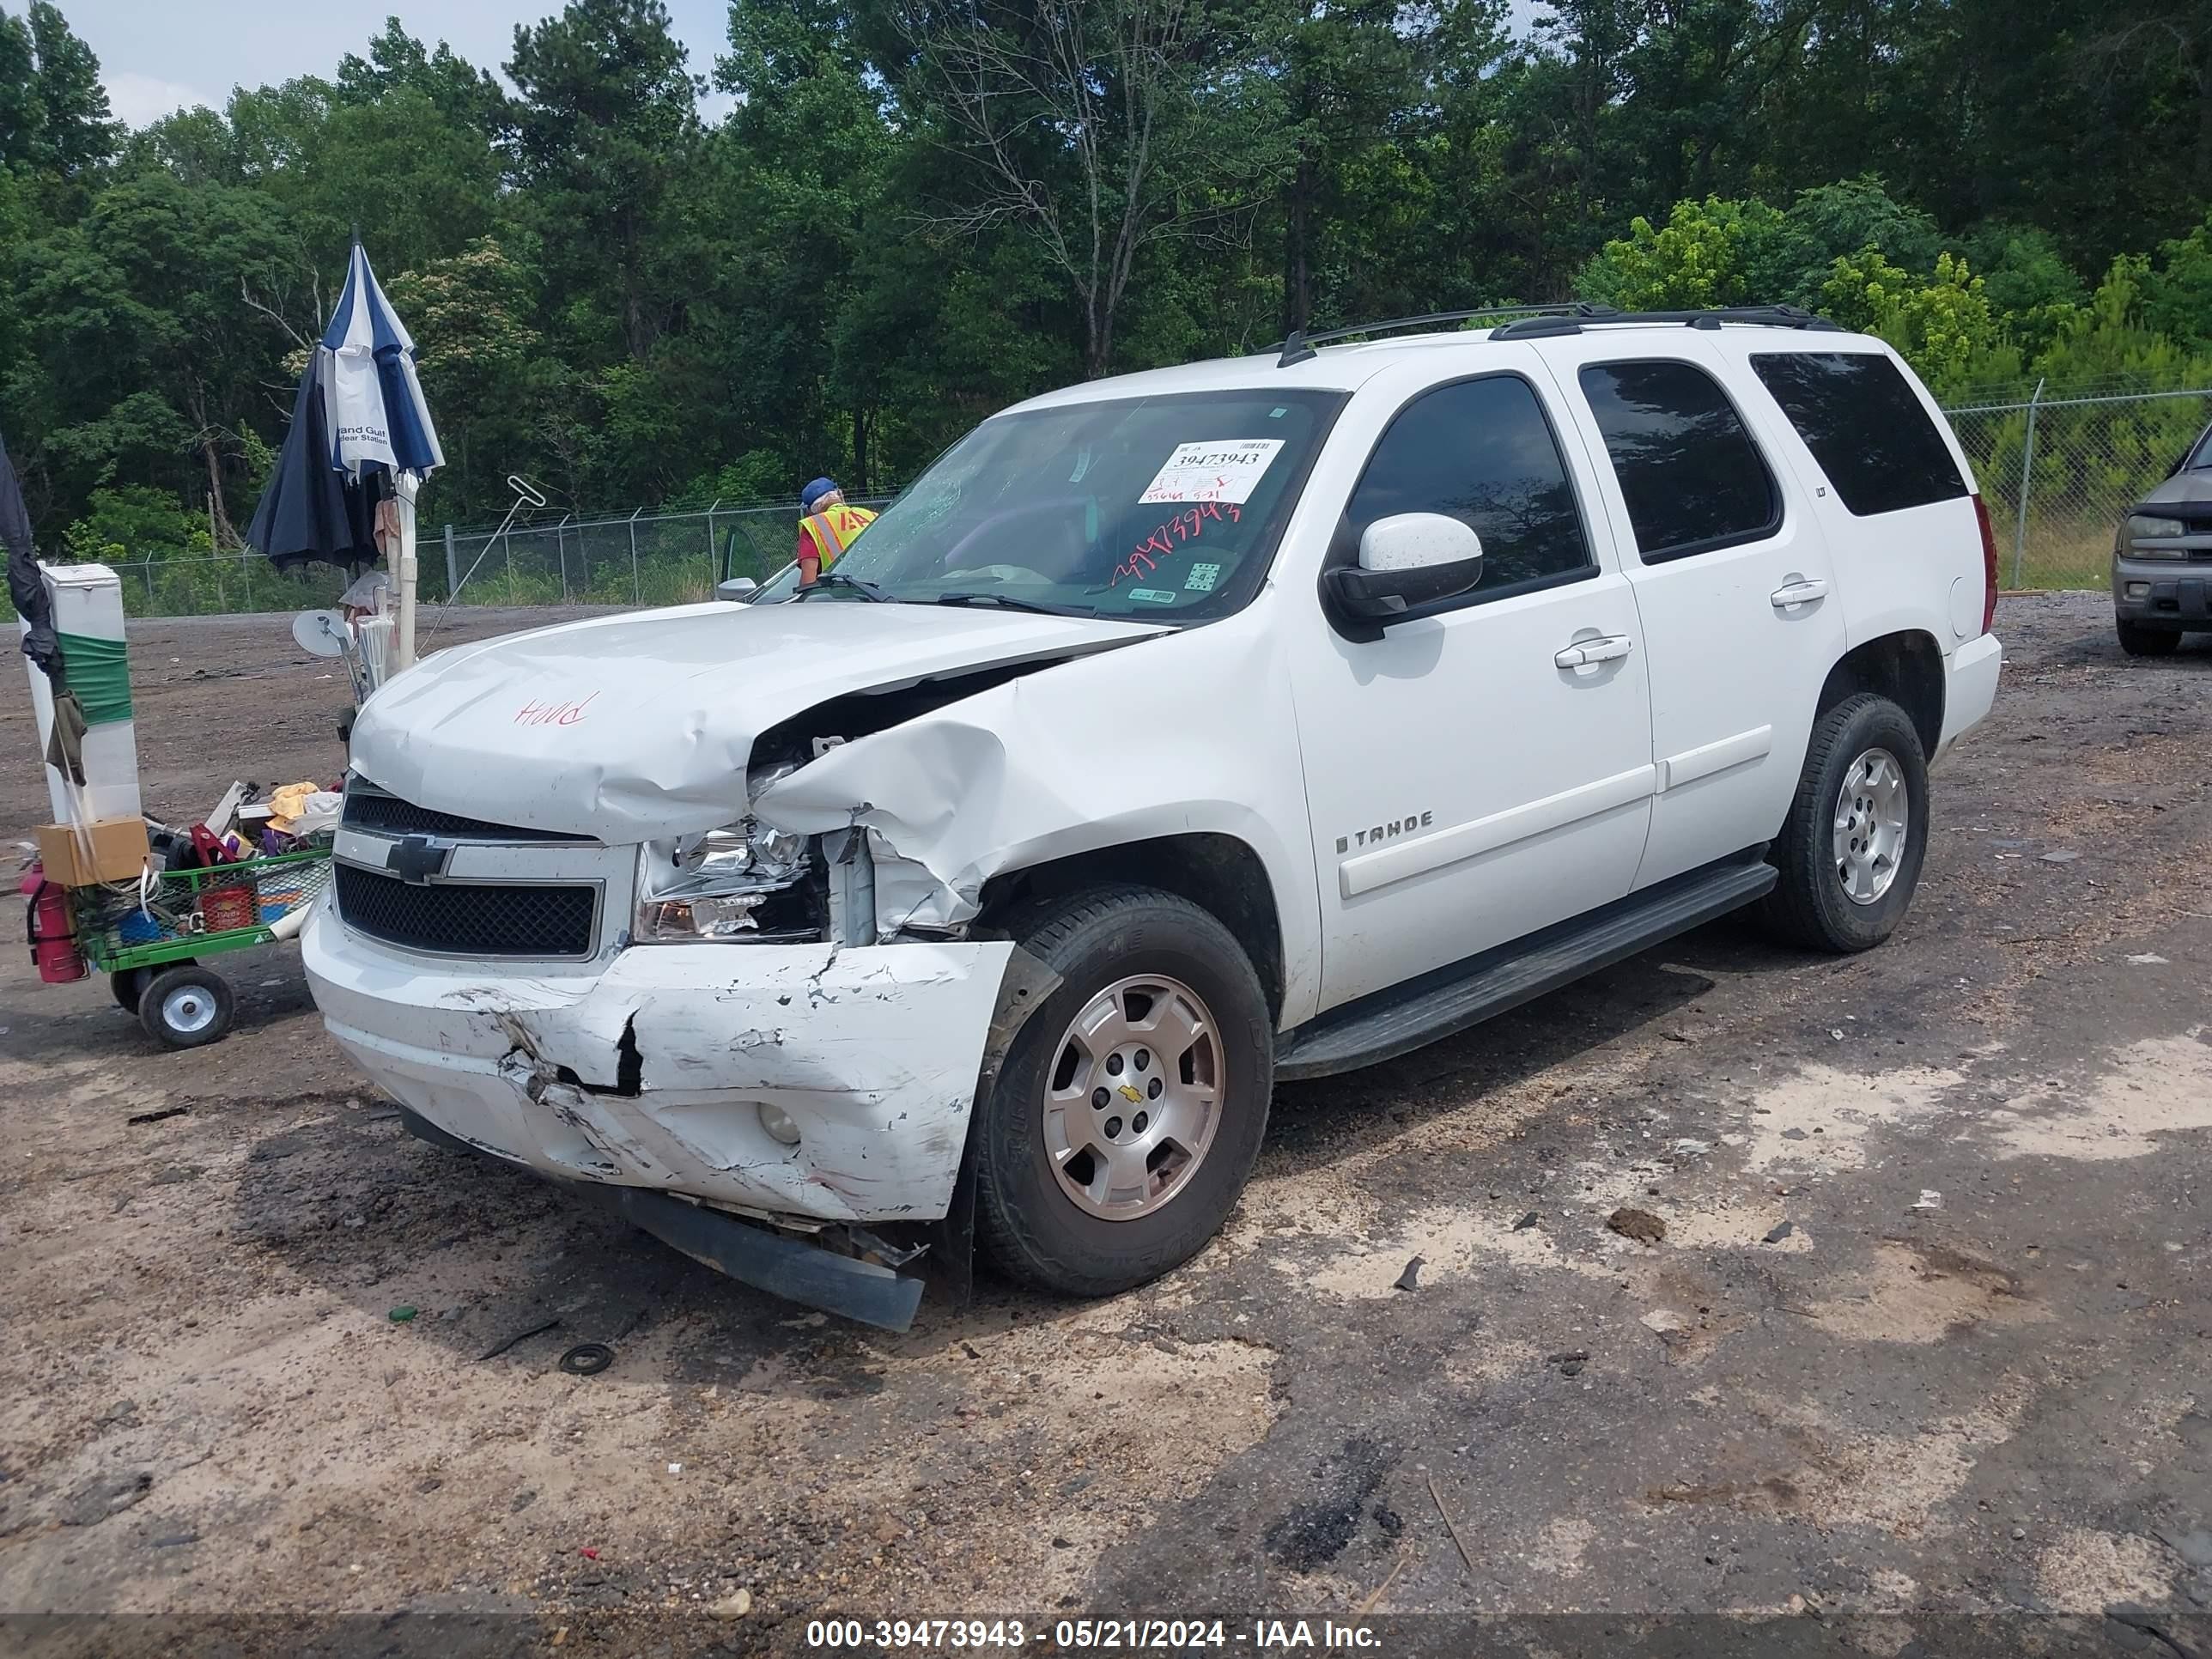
(1481, 452)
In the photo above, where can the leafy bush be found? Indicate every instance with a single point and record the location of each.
(133, 522)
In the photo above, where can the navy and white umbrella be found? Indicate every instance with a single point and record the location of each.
(375, 415)
(373, 405)
(360, 409)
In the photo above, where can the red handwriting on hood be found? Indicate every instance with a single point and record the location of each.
(1186, 526)
(535, 712)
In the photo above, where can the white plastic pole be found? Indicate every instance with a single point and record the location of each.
(404, 655)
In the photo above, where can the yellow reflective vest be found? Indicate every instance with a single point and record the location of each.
(833, 529)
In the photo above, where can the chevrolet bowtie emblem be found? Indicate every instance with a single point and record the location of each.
(417, 859)
(1131, 1092)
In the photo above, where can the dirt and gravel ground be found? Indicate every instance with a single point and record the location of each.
(1922, 1353)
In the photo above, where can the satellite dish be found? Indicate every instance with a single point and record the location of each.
(321, 633)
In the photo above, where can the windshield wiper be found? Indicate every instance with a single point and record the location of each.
(838, 578)
(1010, 603)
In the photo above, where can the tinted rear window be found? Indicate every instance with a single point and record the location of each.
(1690, 475)
(1869, 433)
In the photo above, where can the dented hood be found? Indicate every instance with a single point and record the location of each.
(635, 727)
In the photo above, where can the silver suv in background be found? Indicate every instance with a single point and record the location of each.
(2162, 560)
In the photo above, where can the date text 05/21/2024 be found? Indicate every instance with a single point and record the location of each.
(1092, 1635)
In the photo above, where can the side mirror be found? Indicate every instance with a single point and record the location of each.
(739, 590)
(1406, 561)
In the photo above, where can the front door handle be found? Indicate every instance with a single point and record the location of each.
(1802, 592)
(1605, 649)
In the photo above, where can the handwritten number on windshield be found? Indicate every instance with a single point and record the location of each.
(1185, 526)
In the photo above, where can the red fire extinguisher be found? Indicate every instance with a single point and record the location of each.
(53, 939)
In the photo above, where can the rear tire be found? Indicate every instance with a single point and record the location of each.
(185, 1007)
(2140, 640)
(1074, 1196)
(1837, 892)
(127, 988)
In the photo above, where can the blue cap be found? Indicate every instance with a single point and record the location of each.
(814, 492)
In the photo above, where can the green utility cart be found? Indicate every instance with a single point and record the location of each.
(152, 940)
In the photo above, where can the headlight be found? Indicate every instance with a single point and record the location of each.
(743, 883)
(689, 917)
(2143, 527)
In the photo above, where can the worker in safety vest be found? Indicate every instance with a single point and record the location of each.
(826, 528)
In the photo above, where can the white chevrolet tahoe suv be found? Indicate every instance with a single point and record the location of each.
(1172, 735)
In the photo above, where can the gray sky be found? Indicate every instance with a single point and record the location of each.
(160, 55)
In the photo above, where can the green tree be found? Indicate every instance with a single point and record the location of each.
(1098, 129)
(22, 113)
(397, 62)
(1942, 323)
(2028, 281)
(76, 129)
(482, 366)
(2178, 296)
(131, 522)
(1357, 83)
(803, 183)
(144, 360)
(2114, 341)
(1709, 253)
(607, 138)
(53, 109)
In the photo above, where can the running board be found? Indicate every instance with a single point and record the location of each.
(1440, 1005)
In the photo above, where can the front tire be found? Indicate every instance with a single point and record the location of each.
(1850, 853)
(1127, 1111)
(2138, 640)
(185, 1007)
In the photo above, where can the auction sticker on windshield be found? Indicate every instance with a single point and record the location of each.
(1215, 469)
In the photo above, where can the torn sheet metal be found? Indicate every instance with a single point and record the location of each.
(1099, 753)
(872, 1053)
(634, 728)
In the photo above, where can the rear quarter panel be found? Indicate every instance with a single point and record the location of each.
(1916, 570)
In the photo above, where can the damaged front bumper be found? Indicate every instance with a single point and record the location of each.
(650, 1070)
(776, 1262)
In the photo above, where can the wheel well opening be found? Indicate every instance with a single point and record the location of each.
(1219, 874)
(1907, 668)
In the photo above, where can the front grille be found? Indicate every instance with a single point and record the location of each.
(368, 807)
(476, 918)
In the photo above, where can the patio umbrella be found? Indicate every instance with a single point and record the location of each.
(310, 511)
(360, 430)
(375, 416)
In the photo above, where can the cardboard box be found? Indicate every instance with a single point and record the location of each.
(118, 852)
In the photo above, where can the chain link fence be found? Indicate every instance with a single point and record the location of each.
(660, 558)
(2059, 470)
(2057, 467)
(644, 559)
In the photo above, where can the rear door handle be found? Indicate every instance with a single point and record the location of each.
(1802, 592)
(1598, 650)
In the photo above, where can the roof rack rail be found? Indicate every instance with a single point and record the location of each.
(1299, 347)
(1545, 327)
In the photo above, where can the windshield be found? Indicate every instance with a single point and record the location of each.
(1162, 507)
